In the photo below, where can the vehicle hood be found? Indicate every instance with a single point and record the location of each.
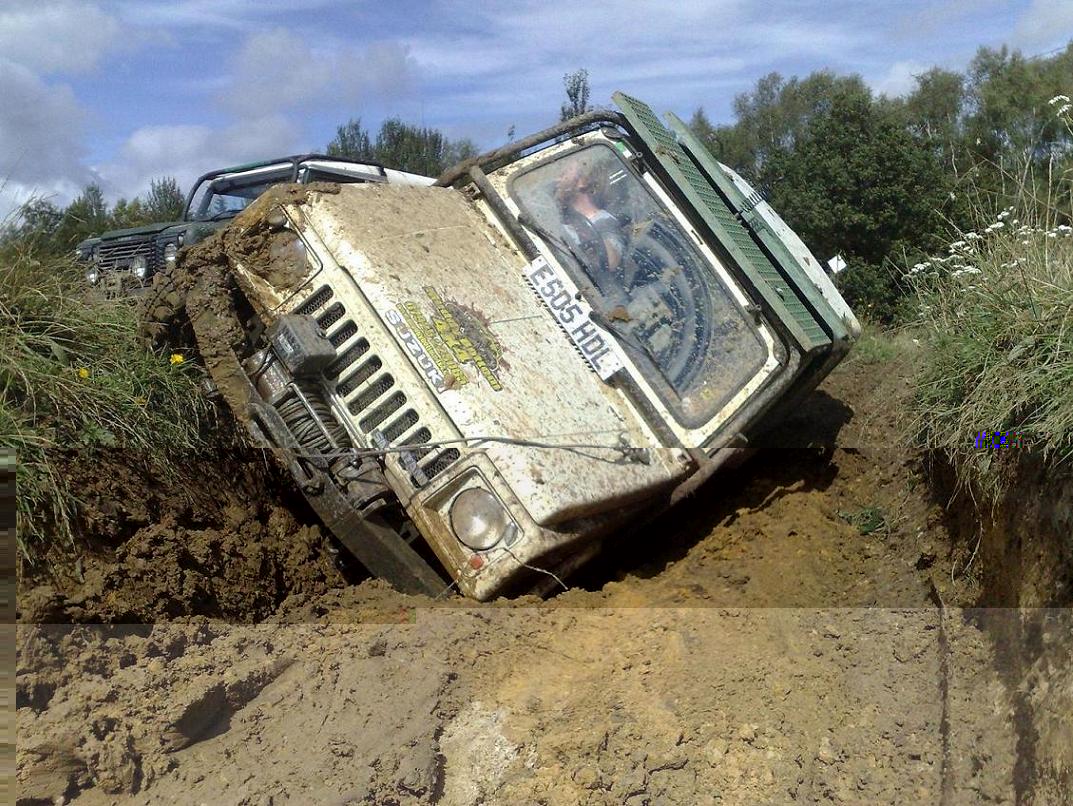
(130, 232)
(429, 257)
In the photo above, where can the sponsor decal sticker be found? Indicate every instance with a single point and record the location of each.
(446, 341)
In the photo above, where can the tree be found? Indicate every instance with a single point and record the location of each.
(411, 148)
(351, 140)
(129, 214)
(935, 109)
(33, 225)
(843, 168)
(856, 183)
(400, 145)
(458, 150)
(771, 119)
(576, 85)
(87, 215)
(164, 201)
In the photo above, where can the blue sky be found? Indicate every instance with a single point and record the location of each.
(124, 90)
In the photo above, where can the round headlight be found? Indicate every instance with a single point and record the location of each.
(171, 250)
(139, 267)
(93, 276)
(478, 519)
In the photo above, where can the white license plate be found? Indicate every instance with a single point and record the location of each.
(573, 315)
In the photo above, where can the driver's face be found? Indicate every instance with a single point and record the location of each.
(573, 180)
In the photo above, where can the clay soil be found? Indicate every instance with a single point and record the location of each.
(800, 631)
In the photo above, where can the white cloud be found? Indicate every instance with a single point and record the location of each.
(40, 129)
(505, 63)
(216, 15)
(186, 152)
(900, 79)
(1046, 23)
(56, 35)
(277, 70)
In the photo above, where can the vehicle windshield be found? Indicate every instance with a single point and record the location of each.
(227, 196)
(645, 277)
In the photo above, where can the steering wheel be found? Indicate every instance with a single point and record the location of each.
(655, 276)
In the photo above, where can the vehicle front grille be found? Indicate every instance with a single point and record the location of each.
(369, 391)
(118, 255)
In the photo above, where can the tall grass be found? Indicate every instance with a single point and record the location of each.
(996, 312)
(75, 379)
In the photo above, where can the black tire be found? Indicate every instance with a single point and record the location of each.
(163, 308)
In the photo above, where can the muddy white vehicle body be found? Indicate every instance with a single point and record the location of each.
(470, 393)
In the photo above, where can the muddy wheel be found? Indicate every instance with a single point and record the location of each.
(163, 307)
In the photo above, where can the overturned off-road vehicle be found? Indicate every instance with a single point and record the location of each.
(483, 381)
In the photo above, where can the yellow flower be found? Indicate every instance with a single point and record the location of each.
(141, 401)
(176, 359)
(83, 372)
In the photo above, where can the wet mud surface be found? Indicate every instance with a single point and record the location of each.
(796, 632)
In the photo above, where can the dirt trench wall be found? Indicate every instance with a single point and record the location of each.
(1022, 545)
(1028, 542)
(1025, 556)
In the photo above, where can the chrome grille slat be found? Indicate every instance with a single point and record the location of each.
(418, 437)
(347, 357)
(369, 395)
(318, 300)
(400, 425)
(331, 316)
(359, 376)
(382, 411)
(343, 334)
(439, 463)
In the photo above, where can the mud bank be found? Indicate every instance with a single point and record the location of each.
(223, 536)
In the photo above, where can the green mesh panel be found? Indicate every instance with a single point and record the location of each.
(739, 243)
(785, 262)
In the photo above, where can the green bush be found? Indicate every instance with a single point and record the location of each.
(75, 378)
(997, 318)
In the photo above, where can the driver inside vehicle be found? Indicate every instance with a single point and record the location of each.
(581, 193)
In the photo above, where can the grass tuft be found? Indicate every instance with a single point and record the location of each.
(76, 379)
(996, 316)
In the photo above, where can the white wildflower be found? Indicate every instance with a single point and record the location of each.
(1063, 109)
(1059, 99)
(972, 236)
